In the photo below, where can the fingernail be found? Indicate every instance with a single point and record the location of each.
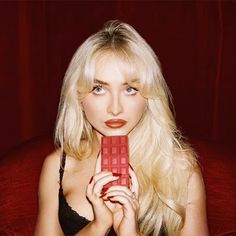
(104, 190)
(131, 167)
(111, 198)
(116, 174)
(102, 195)
(91, 179)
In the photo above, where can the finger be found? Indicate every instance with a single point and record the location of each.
(127, 203)
(99, 184)
(135, 201)
(101, 174)
(134, 182)
(113, 190)
(131, 198)
(120, 188)
(94, 179)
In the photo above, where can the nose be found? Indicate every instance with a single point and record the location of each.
(115, 106)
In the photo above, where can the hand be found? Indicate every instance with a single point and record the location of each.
(102, 214)
(124, 205)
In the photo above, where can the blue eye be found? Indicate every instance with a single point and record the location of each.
(98, 89)
(131, 90)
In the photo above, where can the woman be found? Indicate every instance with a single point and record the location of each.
(115, 76)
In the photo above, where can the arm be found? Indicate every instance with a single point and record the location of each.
(47, 220)
(196, 218)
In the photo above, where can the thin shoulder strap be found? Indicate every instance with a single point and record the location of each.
(62, 167)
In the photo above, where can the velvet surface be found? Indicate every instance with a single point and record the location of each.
(218, 164)
(20, 170)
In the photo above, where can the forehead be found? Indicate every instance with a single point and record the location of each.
(110, 64)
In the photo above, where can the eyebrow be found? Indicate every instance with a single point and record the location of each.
(97, 81)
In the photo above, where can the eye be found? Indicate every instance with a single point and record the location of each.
(130, 90)
(98, 90)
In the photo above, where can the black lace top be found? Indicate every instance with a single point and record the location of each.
(71, 222)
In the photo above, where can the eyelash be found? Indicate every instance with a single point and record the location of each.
(95, 87)
(134, 90)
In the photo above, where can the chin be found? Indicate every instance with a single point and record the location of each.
(113, 132)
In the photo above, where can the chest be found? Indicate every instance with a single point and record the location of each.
(74, 183)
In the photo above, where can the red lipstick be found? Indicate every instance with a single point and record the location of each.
(115, 123)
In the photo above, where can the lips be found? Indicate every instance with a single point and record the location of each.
(115, 123)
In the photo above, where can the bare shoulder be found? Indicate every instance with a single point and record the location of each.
(50, 172)
(196, 187)
(52, 159)
(195, 217)
(47, 221)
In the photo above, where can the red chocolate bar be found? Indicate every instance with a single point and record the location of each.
(114, 158)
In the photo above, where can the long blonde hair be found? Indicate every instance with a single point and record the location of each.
(162, 161)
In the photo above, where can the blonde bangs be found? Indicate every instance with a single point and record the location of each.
(142, 70)
(85, 81)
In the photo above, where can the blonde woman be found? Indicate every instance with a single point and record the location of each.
(114, 86)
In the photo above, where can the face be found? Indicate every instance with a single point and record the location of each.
(113, 107)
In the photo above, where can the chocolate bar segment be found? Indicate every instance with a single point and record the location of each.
(114, 152)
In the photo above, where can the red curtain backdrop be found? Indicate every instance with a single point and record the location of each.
(195, 42)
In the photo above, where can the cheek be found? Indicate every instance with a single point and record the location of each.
(140, 107)
(91, 106)
(142, 110)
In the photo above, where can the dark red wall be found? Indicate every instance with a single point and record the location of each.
(195, 41)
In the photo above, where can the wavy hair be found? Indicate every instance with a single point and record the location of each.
(162, 161)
